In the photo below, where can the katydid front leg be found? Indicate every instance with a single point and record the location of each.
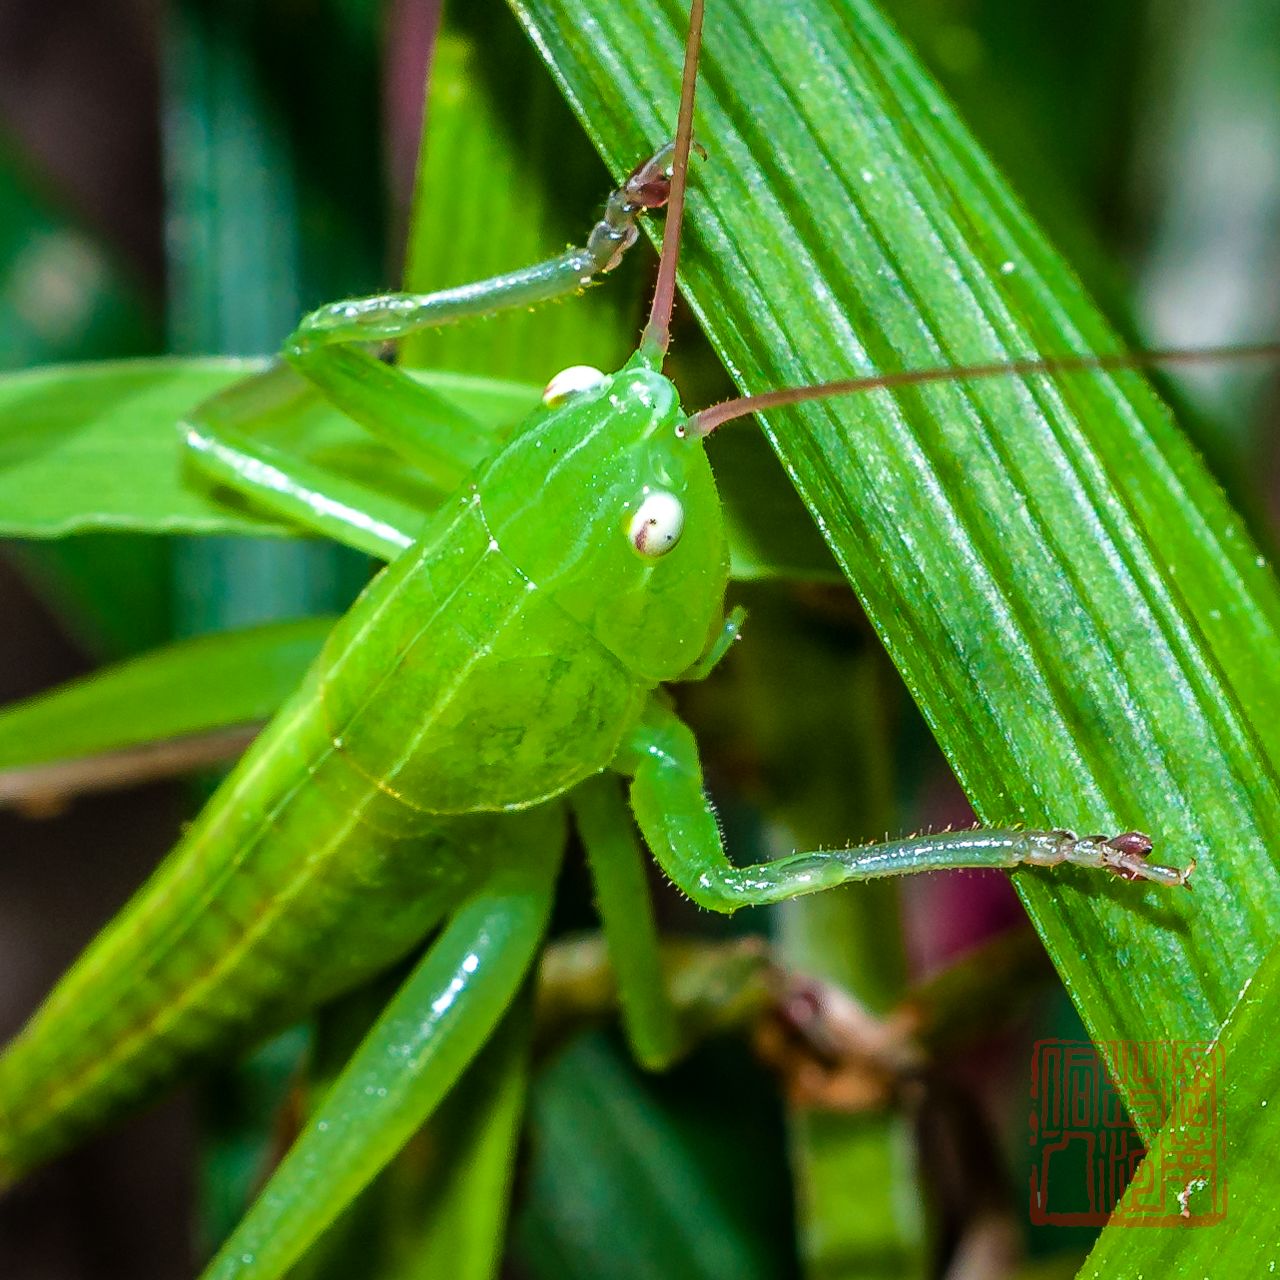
(679, 825)
(387, 401)
(440, 440)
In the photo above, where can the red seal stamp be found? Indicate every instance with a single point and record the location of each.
(1089, 1166)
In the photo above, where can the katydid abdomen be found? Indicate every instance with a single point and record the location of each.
(468, 682)
(299, 879)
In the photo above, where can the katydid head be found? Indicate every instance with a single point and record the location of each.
(604, 501)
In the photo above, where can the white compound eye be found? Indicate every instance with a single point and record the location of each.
(657, 524)
(572, 381)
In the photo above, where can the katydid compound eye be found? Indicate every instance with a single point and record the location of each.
(657, 524)
(572, 381)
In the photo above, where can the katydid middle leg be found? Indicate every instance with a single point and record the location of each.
(679, 825)
(626, 912)
(230, 439)
(224, 439)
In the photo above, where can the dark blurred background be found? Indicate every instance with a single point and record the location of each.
(189, 177)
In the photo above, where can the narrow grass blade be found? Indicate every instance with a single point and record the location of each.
(191, 689)
(92, 446)
(505, 178)
(1214, 1162)
(456, 1224)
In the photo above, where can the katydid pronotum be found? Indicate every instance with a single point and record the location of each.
(410, 747)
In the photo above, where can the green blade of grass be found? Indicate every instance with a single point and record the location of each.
(440, 1206)
(455, 1223)
(94, 446)
(1214, 1159)
(190, 687)
(1082, 618)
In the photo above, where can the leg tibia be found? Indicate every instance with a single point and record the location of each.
(679, 825)
(393, 315)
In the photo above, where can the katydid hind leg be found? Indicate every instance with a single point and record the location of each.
(626, 911)
(680, 828)
(430, 1032)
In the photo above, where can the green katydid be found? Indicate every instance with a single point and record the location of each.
(413, 741)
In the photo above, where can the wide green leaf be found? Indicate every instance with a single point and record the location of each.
(1082, 618)
(96, 446)
(93, 446)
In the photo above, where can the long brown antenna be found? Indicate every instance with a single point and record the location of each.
(707, 420)
(657, 333)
